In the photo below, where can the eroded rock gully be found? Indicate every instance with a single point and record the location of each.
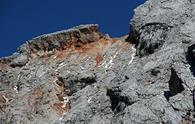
(81, 76)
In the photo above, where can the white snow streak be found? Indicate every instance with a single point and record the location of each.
(89, 100)
(110, 63)
(133, 55)
(16, 89)
(61, 65)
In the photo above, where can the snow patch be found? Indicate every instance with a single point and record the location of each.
(110, 63)
(133, 55)
(16, 89)
(89, 100)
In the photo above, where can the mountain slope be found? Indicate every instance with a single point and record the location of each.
(81, 76)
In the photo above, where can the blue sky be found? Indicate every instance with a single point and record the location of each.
(21, 20)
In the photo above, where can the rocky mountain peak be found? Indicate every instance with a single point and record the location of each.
(81, 76)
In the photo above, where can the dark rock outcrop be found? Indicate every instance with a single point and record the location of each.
(175, 83)
(151, 38)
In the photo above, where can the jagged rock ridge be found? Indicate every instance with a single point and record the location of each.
(80, 76)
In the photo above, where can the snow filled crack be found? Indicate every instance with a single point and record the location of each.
(133, 55)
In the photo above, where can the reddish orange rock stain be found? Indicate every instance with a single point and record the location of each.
(60, 109)
(98, 59)
(35, 98)
(3, 66)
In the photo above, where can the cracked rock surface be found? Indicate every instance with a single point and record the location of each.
(81, 76)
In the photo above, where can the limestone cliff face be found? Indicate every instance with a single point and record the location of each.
(81, 76)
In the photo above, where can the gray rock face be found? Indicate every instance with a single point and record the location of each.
(80, 76)
(20, 60)
(164, 43)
